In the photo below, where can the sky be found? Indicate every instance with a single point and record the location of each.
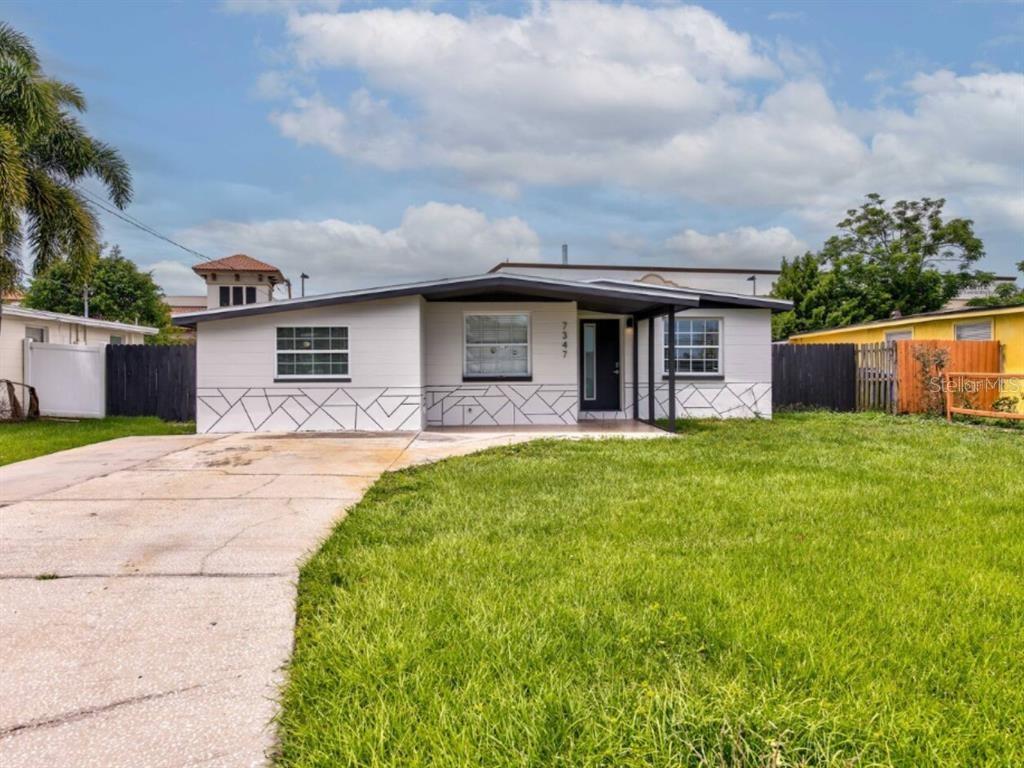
(368, 144)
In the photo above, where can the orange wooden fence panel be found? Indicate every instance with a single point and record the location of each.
(920, 366)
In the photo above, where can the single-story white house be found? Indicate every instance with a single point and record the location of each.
(493, 349)
(19, 323)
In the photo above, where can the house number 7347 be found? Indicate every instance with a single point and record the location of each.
(565, 339)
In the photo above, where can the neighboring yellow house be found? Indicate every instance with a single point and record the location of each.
(1005, 325)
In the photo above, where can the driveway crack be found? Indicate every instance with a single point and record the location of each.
(80, 714)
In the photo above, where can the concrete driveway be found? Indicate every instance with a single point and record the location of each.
(147, 587)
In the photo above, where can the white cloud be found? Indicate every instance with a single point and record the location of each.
(741, 247)
(175, 278)
(665, 99)
(433, 240)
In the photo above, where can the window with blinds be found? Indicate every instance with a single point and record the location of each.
(980, 330)
(497, 346)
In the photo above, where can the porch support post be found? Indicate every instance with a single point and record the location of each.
(636, 369)
(650, 369)
(672, 370)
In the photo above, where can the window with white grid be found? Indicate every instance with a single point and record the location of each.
(698, 344)
(312, 352)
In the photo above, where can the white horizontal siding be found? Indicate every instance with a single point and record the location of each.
(550, 397)
(384, 344)
(236, 367)
(549, 363)
(744, 389)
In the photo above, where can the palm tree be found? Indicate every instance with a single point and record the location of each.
(44, 152)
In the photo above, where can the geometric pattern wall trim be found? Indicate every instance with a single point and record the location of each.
(697, 400)
(720, 400)
(308, 408)
(500, 404)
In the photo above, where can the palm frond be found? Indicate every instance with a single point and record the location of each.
(113, 171)
(13, 191)
(61, 223)
(17, 47)
(66, 94)
(67, 151)
(26, 103)
(10, 251)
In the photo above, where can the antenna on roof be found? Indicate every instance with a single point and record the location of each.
(565, 253)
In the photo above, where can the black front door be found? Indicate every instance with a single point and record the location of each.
(599, 365)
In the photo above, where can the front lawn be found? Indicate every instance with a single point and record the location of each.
(814, 590)
(26, 439)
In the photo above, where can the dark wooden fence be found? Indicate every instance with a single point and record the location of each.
(152, 381)
(814, 376)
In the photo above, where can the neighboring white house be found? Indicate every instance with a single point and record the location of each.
(61, 356)
(751, 282)
(494, 349)
(19, 323)
(758, 282)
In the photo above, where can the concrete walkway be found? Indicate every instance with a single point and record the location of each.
(162, 639)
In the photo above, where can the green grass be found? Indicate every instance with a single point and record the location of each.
(815, 590)
(27, 439)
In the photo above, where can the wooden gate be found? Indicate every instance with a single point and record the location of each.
(876, 377)
(147, 380)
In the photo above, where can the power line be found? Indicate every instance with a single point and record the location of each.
(140, 225)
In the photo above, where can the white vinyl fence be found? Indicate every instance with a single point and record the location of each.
(70, 379)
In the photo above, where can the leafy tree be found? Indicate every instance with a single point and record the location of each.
(1004, 295)
(119, 291)
(44, 153)
(905, 258)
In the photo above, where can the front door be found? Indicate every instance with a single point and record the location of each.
(599, 365)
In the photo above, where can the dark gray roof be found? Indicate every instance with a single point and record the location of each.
(710, 298)
(603, 296)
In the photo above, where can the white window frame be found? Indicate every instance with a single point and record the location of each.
(986, 321)
(900, 332)
(719, 374)
(120, 339)
(529, 346)
(347, 376)
(43, 328)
